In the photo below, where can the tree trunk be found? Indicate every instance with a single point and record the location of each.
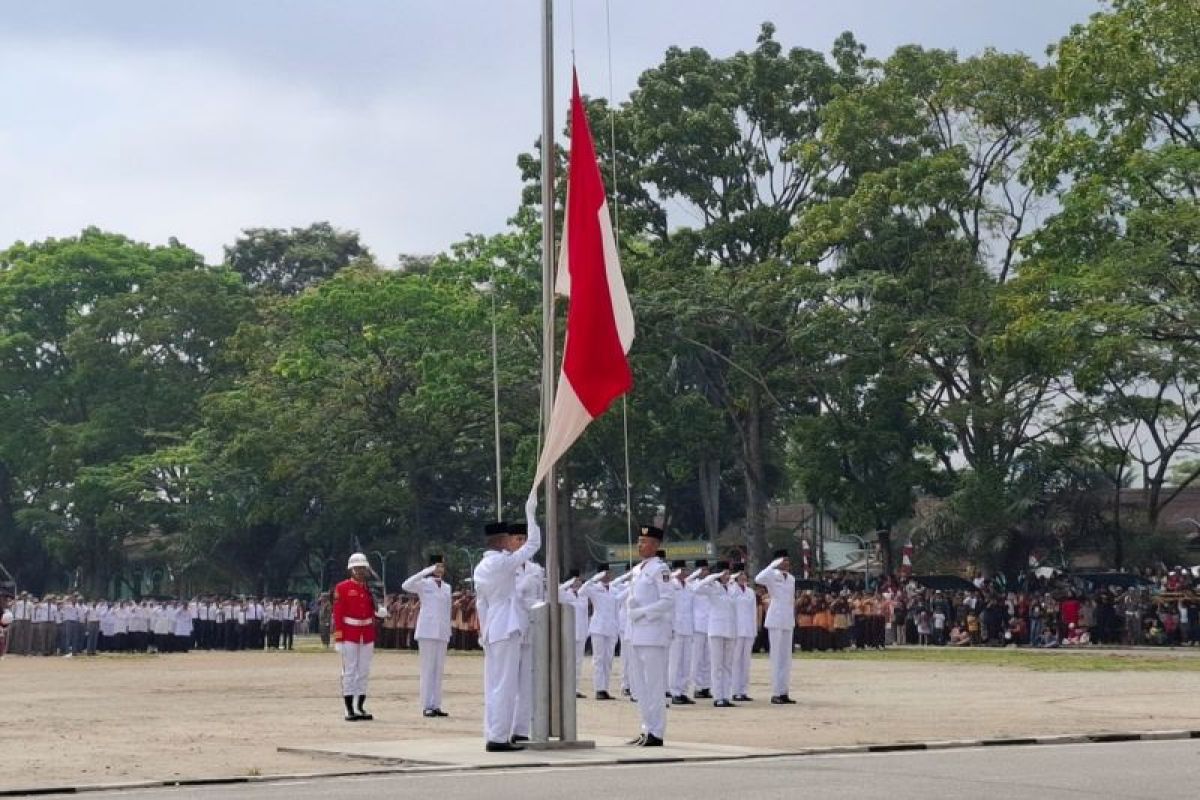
(710, 496)
(885, 550)
(754, 477)
(1118, 540)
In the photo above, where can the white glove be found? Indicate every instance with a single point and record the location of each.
(531, 512)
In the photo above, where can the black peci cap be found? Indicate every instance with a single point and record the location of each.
(602, 567)
(518, 528)
(677, 564)
(701, 562)
(436, 558)
(780, 554)
(495, 529)
(661, 554)
(652, 531)
(573, 574)
(720, 566)
(737, 567)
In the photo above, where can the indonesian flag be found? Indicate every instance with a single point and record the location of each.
(595, 370)
(906, 555)
(805, 559)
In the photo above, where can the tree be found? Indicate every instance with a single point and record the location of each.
(106, 347)
(288, 262)
(922, 242)
(720, 139)
(1109, 295)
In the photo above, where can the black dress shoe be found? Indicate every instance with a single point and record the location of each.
(503, 747)
(639, 741)
(429, 712)
(516, 738)
(580, 695)
(667, 695)
(682, 700)
(363, 715)
(723, 704)
(787, 700)
(437, 712)
(743, 698)
(776, 700)
(603, 696)
(651, 741)
(352, 717)
(702, 694)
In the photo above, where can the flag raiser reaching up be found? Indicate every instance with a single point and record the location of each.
(595, 370)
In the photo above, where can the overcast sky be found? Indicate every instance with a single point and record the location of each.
(396, 118)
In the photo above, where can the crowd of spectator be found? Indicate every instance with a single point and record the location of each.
(845, 611)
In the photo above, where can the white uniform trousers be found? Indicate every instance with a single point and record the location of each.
(356, 666)
(523, 708)
(580, 646)
(741, 664)
(433, 666)
(624, 665)
(680, 664)
(701, 672)
(720, 653)
(780, 640)
(602, 660)
(501, 668)
(648, 672)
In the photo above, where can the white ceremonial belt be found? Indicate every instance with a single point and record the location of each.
(357, 622)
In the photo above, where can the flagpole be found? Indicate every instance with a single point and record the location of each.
(556, 699)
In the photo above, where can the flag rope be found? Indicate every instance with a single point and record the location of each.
(616, 212)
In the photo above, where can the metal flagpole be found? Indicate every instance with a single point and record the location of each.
(496, 403)
(556, 699)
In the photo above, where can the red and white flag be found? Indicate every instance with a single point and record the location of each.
(906, 557)
(595, 370)
(805, 560)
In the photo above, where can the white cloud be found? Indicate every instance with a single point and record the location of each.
(160, 143)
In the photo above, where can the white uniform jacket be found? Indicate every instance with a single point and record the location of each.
(650, 604)
(501, 613)
(605, 620)
(433, 620)
(781, 588)
(722, 617)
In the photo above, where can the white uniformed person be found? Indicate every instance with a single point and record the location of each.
(531, 590)
(701, 669)
(569, 594)
(602, 628)
(502, 621)
(745, 604)
(651, 604)
(780, 622)
(679, 659)
(722, 631)
(433, 631)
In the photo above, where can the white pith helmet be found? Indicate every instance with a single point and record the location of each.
(358, 560)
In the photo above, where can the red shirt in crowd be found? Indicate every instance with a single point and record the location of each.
(1068, 609)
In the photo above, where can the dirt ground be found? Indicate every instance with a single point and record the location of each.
(120, 718)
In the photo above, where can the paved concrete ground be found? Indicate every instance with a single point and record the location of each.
(1126, 771)
(470, 752)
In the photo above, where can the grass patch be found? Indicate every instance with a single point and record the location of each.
(1041, 661)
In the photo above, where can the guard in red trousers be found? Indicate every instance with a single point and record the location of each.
(354, 614)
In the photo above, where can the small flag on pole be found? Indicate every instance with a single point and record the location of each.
(805, 560)
(595, 370)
